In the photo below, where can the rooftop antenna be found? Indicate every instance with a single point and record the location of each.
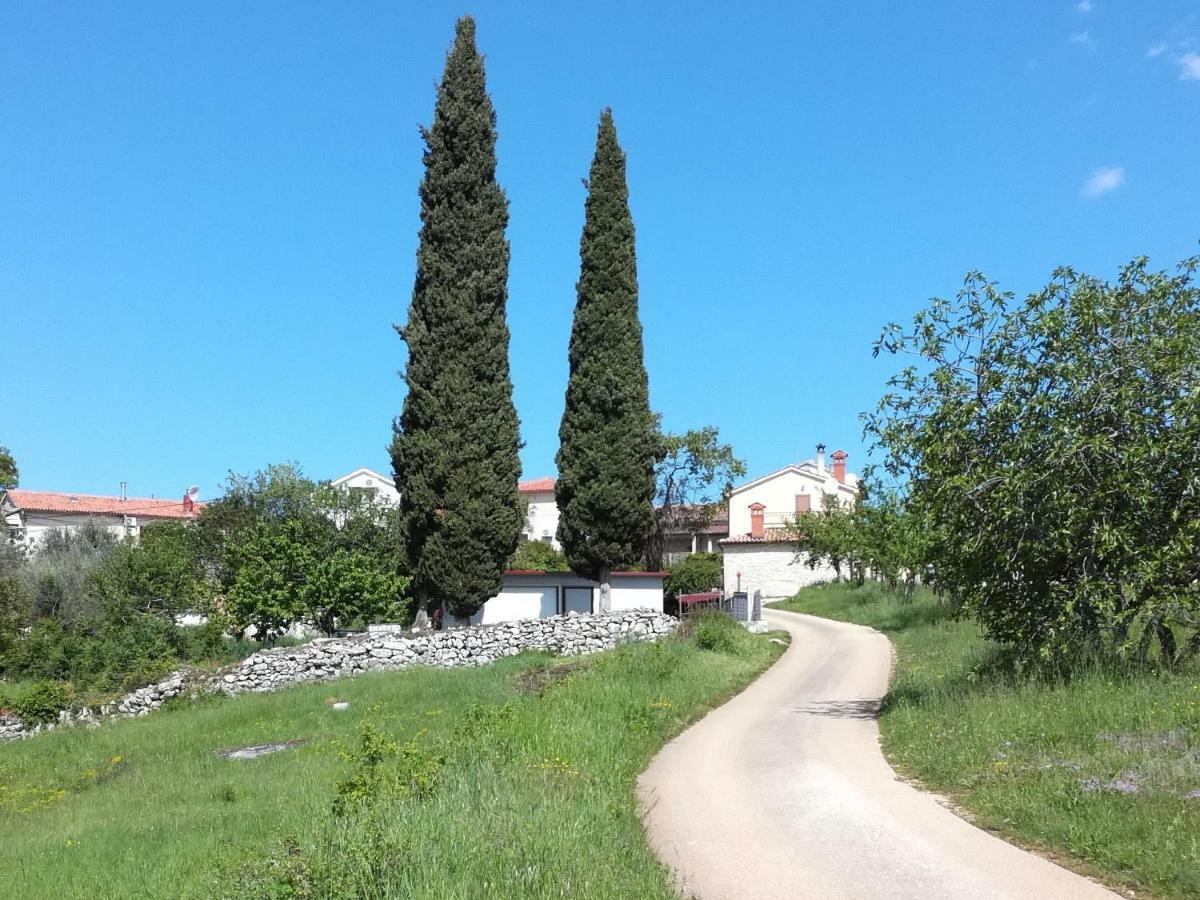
(189, 498)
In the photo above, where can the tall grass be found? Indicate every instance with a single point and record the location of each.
(537, 801)
(1102, 765)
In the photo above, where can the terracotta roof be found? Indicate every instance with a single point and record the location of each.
(771, 536)
(93, 505)
(537, 485)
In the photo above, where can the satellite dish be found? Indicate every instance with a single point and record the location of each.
(193, 491)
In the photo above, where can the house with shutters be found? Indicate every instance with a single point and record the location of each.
(760, 551)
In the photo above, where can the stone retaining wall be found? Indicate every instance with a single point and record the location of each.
(328, 658)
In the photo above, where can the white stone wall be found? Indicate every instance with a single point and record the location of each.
(770, 568)
(327, 659)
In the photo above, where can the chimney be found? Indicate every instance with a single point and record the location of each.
(821, 458)
(189, 505)
(839, 465)
(122, 491)
(756, 520)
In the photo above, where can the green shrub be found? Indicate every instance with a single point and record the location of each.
(538, 556)
(694, 574)
(717, 632)
(43, 703)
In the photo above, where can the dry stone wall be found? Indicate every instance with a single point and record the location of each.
(327, 658)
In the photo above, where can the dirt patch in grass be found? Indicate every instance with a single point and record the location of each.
(539, 679)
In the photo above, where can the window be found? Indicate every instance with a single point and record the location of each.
(803, 503)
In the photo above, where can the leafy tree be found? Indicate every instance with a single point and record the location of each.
(9, 476)
(693, 479)
(609, 438)
(268, 587)
(160, 574)
(283, 580)
(1051, 450)
(828, 537)
(455, 446)
(348, 587)
(15, 611)
(58, 578)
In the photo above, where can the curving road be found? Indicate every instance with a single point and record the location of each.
(783, 793)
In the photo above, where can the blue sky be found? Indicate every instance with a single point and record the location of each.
(208, 212)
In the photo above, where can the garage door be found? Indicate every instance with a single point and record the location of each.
(577, 599)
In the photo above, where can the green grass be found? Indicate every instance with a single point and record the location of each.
(1038, 761)
(536, 798)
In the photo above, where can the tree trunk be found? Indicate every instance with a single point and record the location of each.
(604, 605)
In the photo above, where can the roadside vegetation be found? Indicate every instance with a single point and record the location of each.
(1103, 765)
(86, 616)
(513, 780)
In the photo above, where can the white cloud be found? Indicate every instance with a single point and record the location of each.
(1102, 181)
(1084, 6)
(1083, 39)
(1157, 50)
(1189, 67)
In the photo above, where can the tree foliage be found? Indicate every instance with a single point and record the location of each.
(609, 440)
(9, 476)
(538, 556)
(1051, 449)
(455, 446)
(695, 573)
(877, 538)
(693, 479)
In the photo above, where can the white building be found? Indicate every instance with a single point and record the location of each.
(541, 521)
(379, 488)
(760, 552)
(536, 595)
(29, 515)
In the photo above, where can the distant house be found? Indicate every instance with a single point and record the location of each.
(760, 551)
(541, 523)
(29, 515)
(694, 529)
(371, 484)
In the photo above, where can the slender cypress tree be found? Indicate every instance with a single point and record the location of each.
(455, 445)
(609, 440)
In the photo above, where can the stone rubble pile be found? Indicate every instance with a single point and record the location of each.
(327, 658)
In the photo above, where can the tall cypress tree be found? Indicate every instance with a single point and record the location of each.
(609, 440)
(455, 445)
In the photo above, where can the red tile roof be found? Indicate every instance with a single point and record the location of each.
(537, 485)
(772, 536)
(93, 505)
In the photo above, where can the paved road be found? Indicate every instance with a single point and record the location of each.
(783, 793)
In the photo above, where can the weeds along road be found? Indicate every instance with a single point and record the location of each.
(784, 793)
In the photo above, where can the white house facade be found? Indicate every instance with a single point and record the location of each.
(541, 520)
(759, 554)
(30, 515)
(374, 485)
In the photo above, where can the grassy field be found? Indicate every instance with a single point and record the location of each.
(1100, 769)
(513, 780)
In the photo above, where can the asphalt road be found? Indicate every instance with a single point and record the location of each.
(783, 793)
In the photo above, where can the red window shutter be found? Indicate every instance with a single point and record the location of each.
(803, 503)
